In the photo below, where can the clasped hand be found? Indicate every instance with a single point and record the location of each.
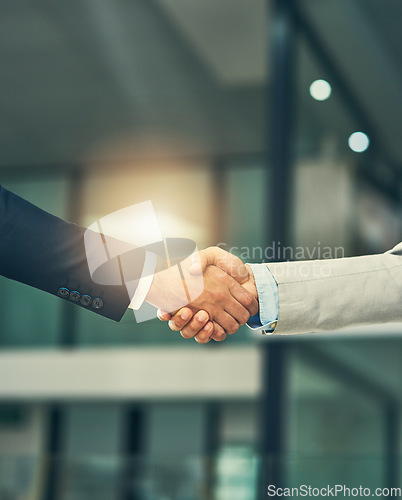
(229, 297)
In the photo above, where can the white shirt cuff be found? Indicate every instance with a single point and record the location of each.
(267, 289)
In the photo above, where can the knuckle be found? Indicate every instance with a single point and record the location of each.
(218, 330)
(234, 326)
(254, 309)
(218, 295)
(245, 317)
(248, 300)
(227, 280)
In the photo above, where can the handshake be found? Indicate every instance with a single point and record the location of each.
(228, 299)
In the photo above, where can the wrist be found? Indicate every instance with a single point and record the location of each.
(268, 297)
(167, 291)
(250, 285)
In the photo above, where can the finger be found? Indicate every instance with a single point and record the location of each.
(205, 334)
(180, 319)
(227, 322)
(219, 333)
(226, 261)
(163, 315)
(236, 310)
(197, 323)
(245, 299)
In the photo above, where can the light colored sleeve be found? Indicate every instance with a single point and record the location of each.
(267, 289)
(325, 295)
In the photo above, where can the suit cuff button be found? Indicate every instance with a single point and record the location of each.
(63, 292)
(97, 303)
(75, 296)
(86, 300)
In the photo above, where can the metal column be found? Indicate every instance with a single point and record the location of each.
(53, 452)
(279, 178)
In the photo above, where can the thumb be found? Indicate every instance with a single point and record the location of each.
(218, 257)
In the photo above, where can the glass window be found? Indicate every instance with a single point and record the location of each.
(29, 317)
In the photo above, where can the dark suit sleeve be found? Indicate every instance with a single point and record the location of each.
(48, 253)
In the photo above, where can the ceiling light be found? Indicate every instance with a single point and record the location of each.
(320, 90)
(358, 142)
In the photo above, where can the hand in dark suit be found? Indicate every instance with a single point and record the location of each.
(48, 253)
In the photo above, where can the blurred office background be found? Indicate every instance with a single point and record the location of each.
(245, 122)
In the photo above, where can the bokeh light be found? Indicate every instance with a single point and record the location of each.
(320, 90)
(359, 142)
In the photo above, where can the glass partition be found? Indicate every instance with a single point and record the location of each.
(29, 317)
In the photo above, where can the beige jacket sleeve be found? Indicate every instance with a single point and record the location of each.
(324, 295)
